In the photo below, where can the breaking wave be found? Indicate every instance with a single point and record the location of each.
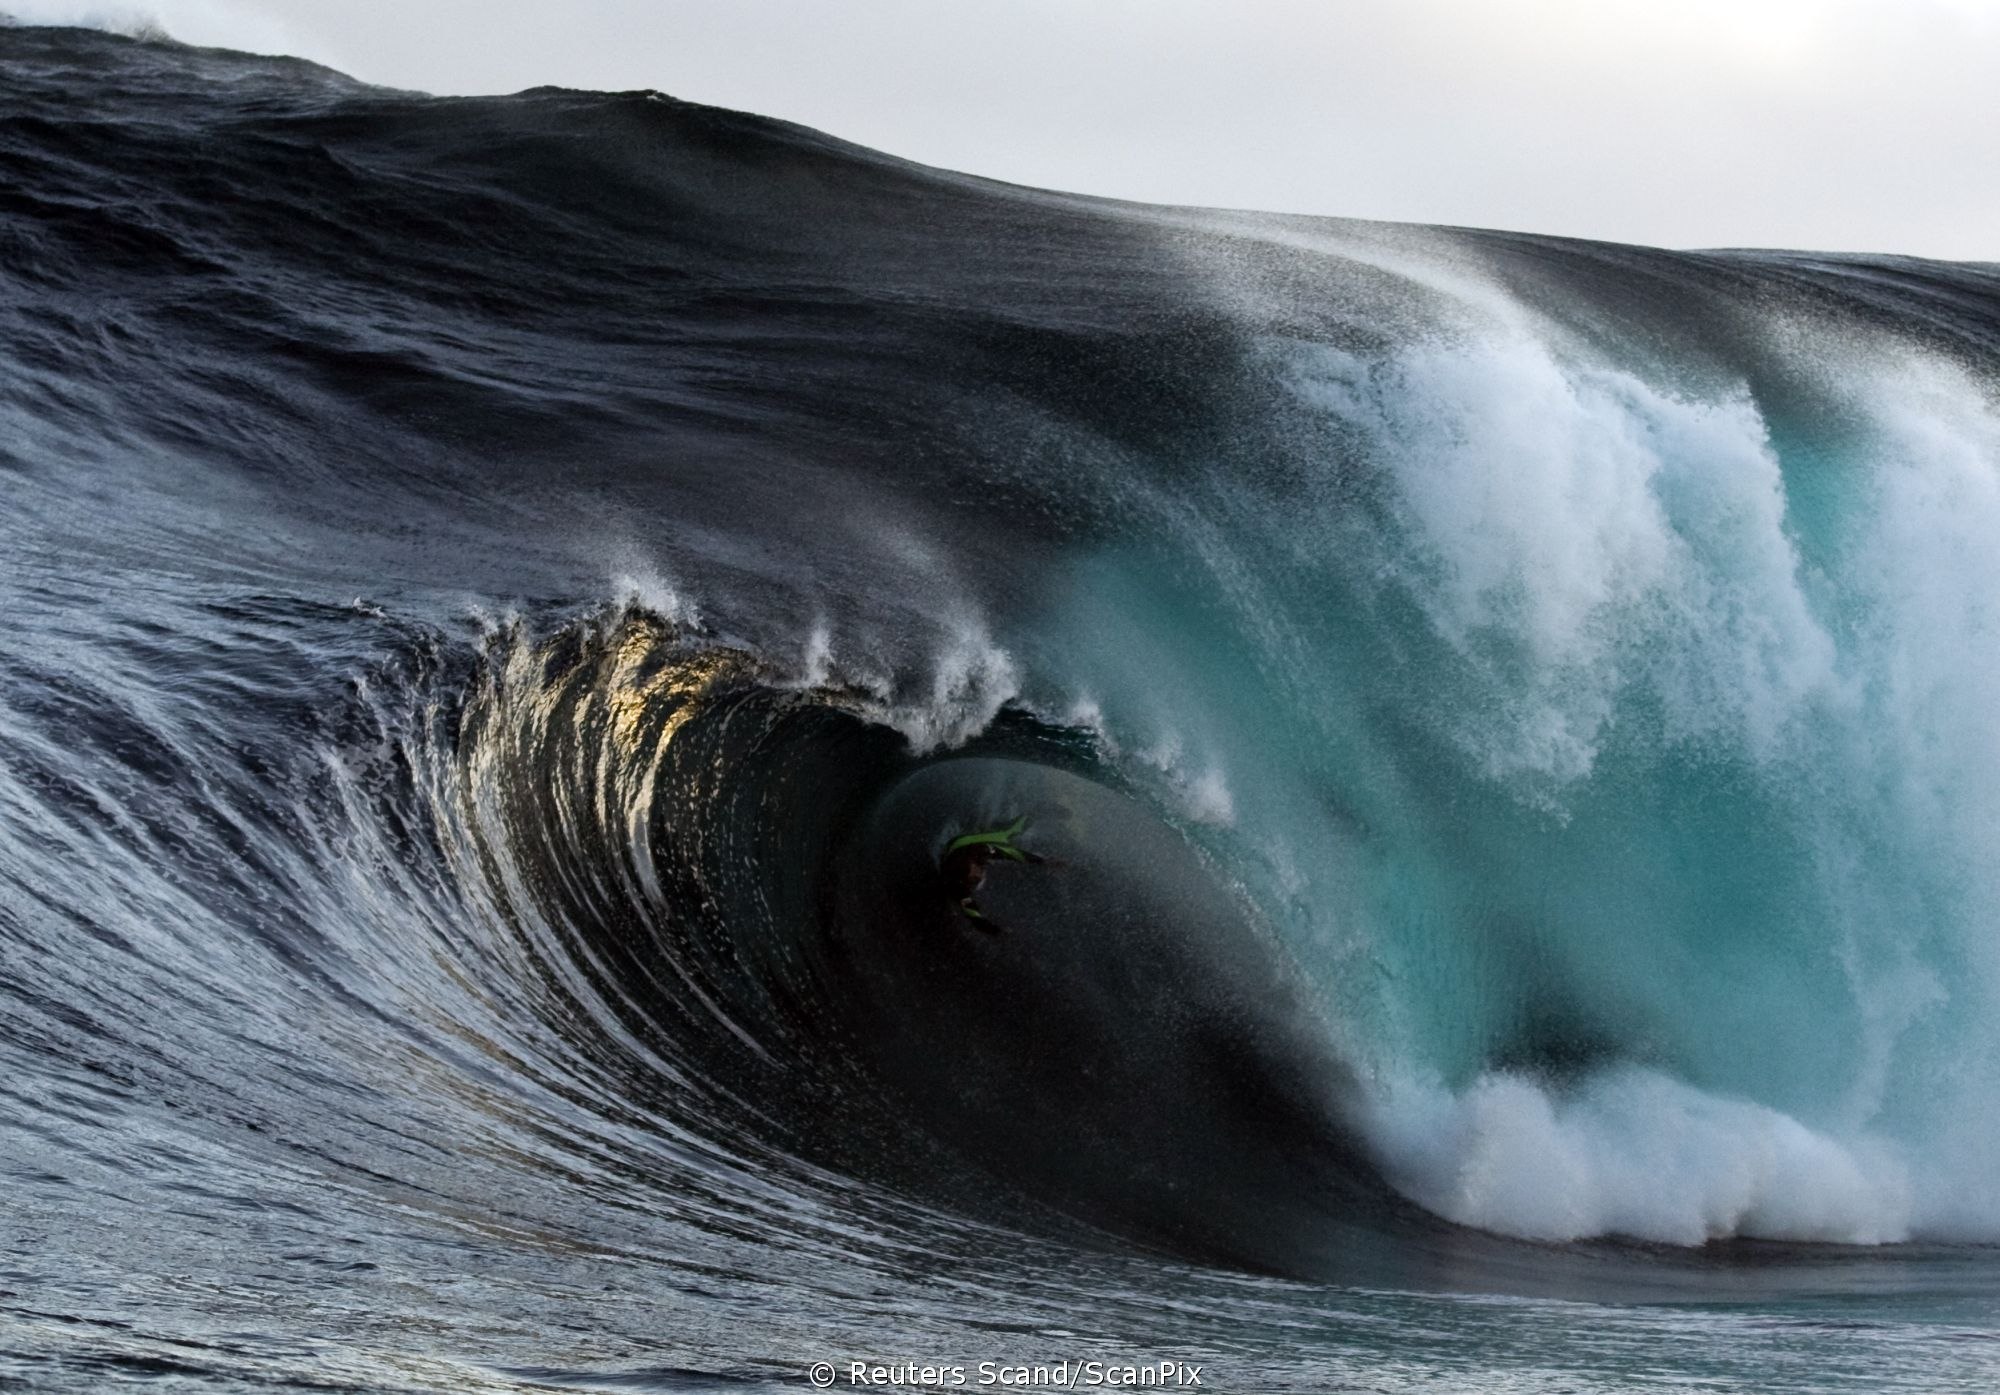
(511, 598)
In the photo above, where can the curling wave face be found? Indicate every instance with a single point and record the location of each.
(509, 599)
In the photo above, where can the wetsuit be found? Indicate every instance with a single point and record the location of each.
(964, 866)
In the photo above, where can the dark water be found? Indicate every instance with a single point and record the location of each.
(504, 601)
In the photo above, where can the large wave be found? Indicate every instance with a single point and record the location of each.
(513, 596)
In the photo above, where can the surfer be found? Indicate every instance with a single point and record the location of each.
(964, 866)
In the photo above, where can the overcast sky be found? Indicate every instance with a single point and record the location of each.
(1841, 124)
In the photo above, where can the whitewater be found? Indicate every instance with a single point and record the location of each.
(504, 602)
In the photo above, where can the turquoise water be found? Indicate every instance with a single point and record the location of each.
(1615, 765)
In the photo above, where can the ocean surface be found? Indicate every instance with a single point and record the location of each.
(505, 601)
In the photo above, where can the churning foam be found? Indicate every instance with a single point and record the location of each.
(1631, 1152)
(1569, 529)
(954, 695)
(1584, 544)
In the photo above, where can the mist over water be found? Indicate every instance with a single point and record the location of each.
(509, 600)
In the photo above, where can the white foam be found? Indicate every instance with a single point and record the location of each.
(1631, 1152)
(1683, 578)
(1200, 788)
(1086, 713)
(970, 679)
(1921, 777)
(816, 663)
(648, 587)
(1569, 543)
(1207, 798)
(1569, 529)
